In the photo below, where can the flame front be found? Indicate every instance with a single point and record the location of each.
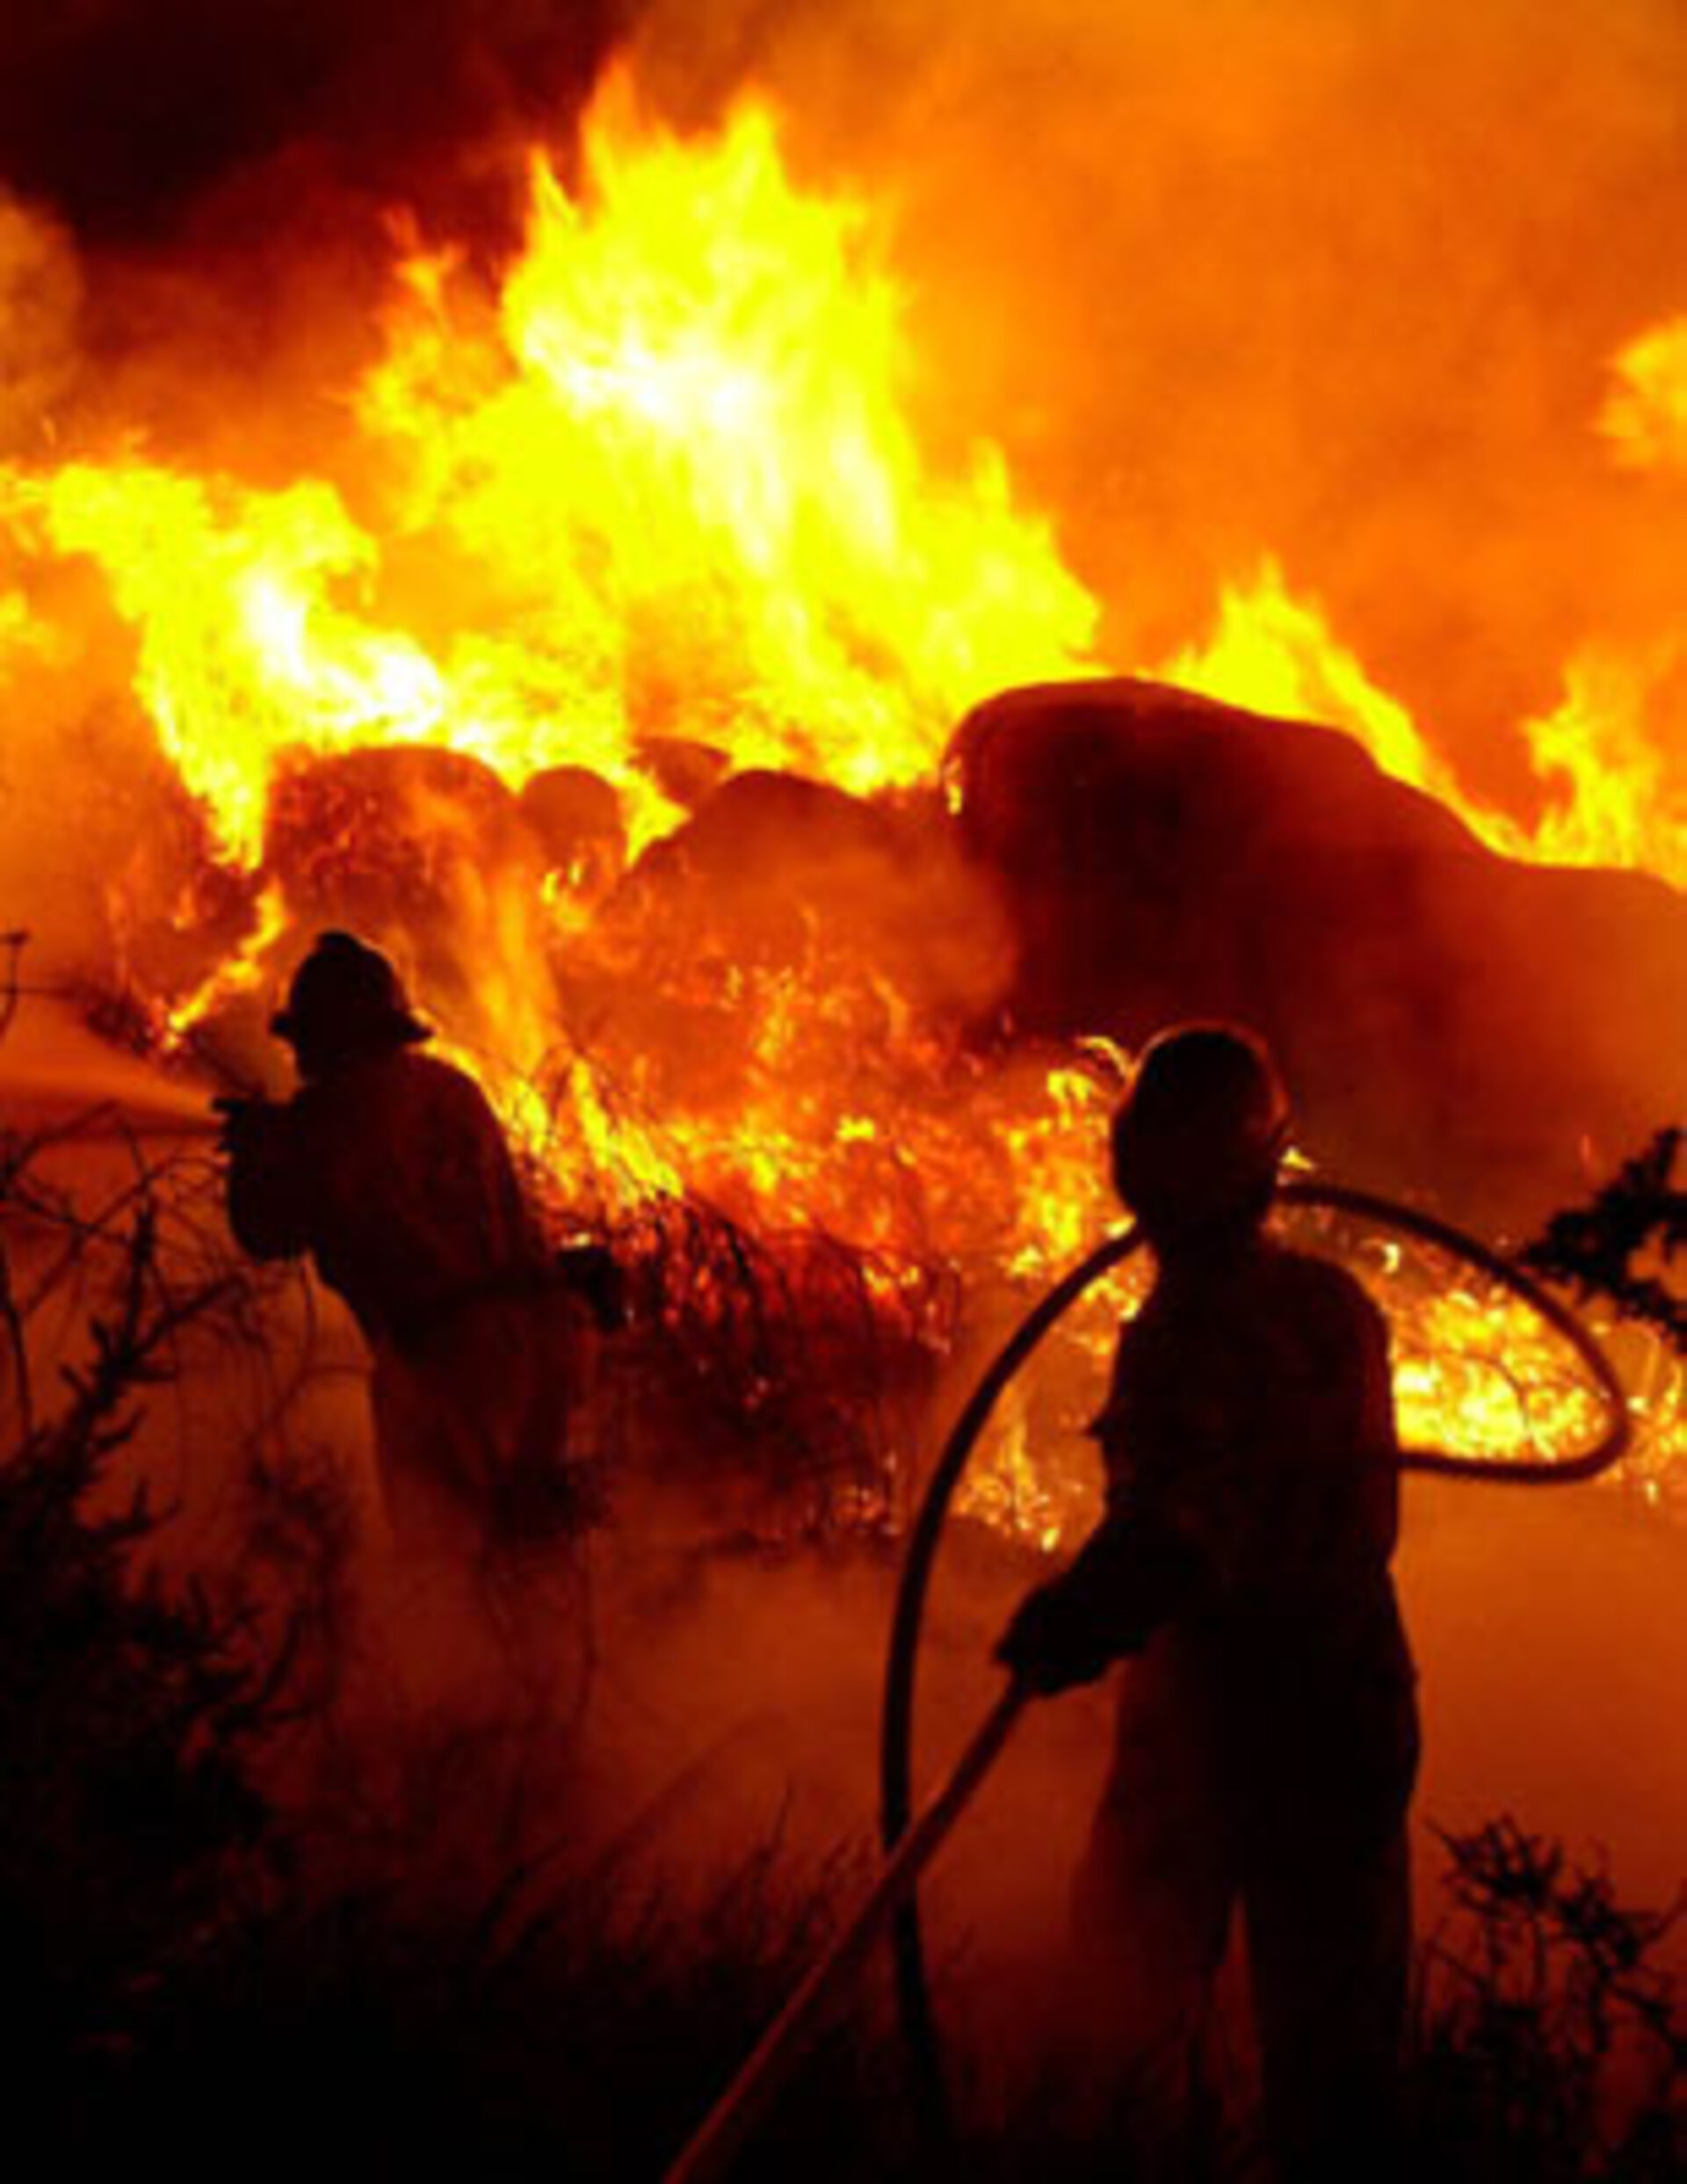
(665, 483)
(654, 509)
(662, 484)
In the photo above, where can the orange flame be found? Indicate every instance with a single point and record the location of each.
(668, 484)
(1609, 800)
(665, 483)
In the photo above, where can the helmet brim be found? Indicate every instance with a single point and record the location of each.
(397, 1028)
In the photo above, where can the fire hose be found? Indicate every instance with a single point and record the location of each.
(894, 1902)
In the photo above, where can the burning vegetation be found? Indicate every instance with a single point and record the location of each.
(597, 644)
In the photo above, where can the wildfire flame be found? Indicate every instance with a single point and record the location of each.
(1607, 799)
(665, 482)
(662, 485)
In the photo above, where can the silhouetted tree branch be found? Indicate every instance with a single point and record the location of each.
(1599, 1248)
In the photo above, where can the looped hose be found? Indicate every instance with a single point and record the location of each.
(896, 1721)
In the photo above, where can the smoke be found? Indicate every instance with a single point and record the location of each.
(130, 115)
(40, 304)
(226, 182)
(735, 1705)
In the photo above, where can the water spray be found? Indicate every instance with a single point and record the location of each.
(892, 1904)
(61, 1111)
(91, 1090)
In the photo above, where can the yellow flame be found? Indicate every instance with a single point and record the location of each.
(240, 973)
(1645, 418)
(1612, 800)
(1275, 654)
(243, 651)
(1608, 796)
(665, 482)
(668, 486)
(685, 465)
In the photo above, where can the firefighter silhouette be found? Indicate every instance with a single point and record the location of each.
(389, 1168)
(1267, 1734)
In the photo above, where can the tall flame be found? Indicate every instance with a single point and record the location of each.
(664, 485)
(664, 482)
(667, 485)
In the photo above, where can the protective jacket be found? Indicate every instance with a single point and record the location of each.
(1250, 1432)
(393, 1174)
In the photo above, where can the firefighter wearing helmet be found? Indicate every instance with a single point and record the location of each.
(1267, 1737)
(390, 1169)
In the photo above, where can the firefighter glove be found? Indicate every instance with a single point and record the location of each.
(1128, 1580)
(1054, 1642)
(244, 1122)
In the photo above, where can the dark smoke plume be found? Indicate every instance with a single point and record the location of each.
(123, 114)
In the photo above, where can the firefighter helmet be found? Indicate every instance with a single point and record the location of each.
(1197, 1137)
(346, 998)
